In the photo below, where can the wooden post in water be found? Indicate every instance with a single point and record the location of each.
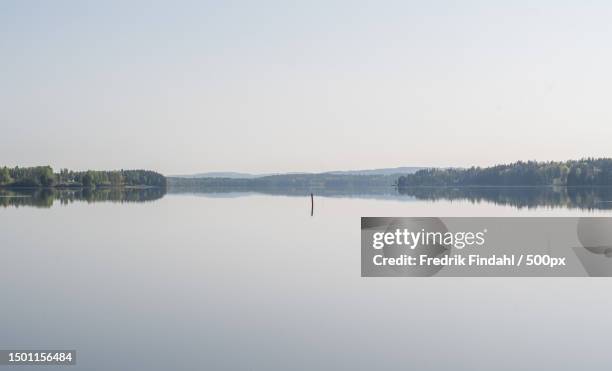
(311, 205)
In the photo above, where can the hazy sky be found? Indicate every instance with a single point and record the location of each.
(261, 86)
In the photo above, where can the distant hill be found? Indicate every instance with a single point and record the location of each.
(386, 171)
(220, 174)
(295, 181)
(237, 175)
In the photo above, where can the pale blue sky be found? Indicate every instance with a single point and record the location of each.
(312, 86)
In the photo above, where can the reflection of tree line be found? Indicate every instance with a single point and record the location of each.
(520, 197)
(46, 197)
(578, 197)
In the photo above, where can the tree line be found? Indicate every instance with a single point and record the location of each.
(286, 181)
(45, 177)
(585, 172)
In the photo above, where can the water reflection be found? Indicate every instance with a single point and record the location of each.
(351, 191)
(47, 197)
(587, 198)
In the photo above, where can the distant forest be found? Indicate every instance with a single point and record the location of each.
(44, 177)
(285, 181)
(586, 172)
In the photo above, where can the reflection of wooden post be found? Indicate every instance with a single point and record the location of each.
(311, 205)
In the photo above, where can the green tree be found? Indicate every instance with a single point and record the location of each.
(46, 177)
(88, 180)
(5, 176)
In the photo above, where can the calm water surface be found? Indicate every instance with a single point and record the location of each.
(250, 281)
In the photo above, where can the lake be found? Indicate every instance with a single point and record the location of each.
(249, 280)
